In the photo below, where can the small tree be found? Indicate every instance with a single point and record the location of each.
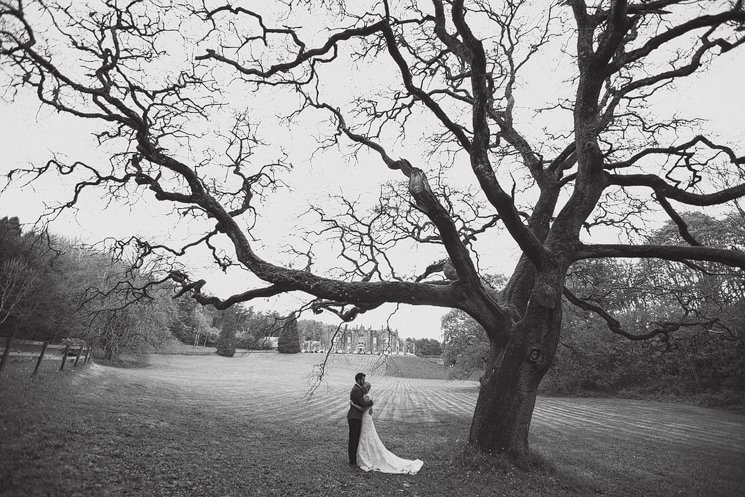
(289, 339)
(226, 342)
(428, 346)
(16, 281)
(465, 344)
(126, 312)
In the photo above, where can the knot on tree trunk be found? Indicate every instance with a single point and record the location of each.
(449, 271)
(544, 295)
(534, 354)
(420, 190)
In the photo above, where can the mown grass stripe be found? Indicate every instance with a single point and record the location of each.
(274, 388)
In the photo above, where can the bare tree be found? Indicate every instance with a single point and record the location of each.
(456, 74)
(16, 281)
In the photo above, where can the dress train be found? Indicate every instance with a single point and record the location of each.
(373, 456)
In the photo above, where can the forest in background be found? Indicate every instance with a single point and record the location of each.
(54, 289)
(631, 337)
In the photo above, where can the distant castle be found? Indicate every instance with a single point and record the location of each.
(359, 341)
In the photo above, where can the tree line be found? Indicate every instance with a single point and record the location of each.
(678, 329)
(52, 289)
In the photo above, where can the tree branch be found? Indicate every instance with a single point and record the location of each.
(664, 328)
(664, 189)
(727, 257)
(735, 14)
(426, 201)
(679, 222)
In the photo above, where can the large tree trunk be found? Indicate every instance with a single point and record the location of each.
(509, 386)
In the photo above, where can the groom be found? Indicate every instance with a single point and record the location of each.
(354, 416)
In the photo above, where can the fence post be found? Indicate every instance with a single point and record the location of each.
(77, 357)
(64, 357)
(41, 356)
(5, 352)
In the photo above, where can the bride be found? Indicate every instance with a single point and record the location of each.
(372, 454)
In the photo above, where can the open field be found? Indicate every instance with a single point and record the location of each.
(208, 425)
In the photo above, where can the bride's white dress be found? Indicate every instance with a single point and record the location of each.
(373, 456)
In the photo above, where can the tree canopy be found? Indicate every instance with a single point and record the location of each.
(434, 95)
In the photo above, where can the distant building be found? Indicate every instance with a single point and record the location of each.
(313, 346)
(358, 341)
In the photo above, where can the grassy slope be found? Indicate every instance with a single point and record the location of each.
(415, 367)
(59, 441)
(97, 432)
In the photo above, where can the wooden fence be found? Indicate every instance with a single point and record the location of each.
(30, 350)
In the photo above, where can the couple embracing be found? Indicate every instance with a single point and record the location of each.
(366, 450)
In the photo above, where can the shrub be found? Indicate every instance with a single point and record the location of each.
(226, 342)
(289, 338)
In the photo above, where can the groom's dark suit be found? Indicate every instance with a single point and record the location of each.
(354, 418)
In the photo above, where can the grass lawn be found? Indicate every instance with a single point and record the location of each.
(211, 426)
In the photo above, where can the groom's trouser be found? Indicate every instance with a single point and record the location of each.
(355, 427)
